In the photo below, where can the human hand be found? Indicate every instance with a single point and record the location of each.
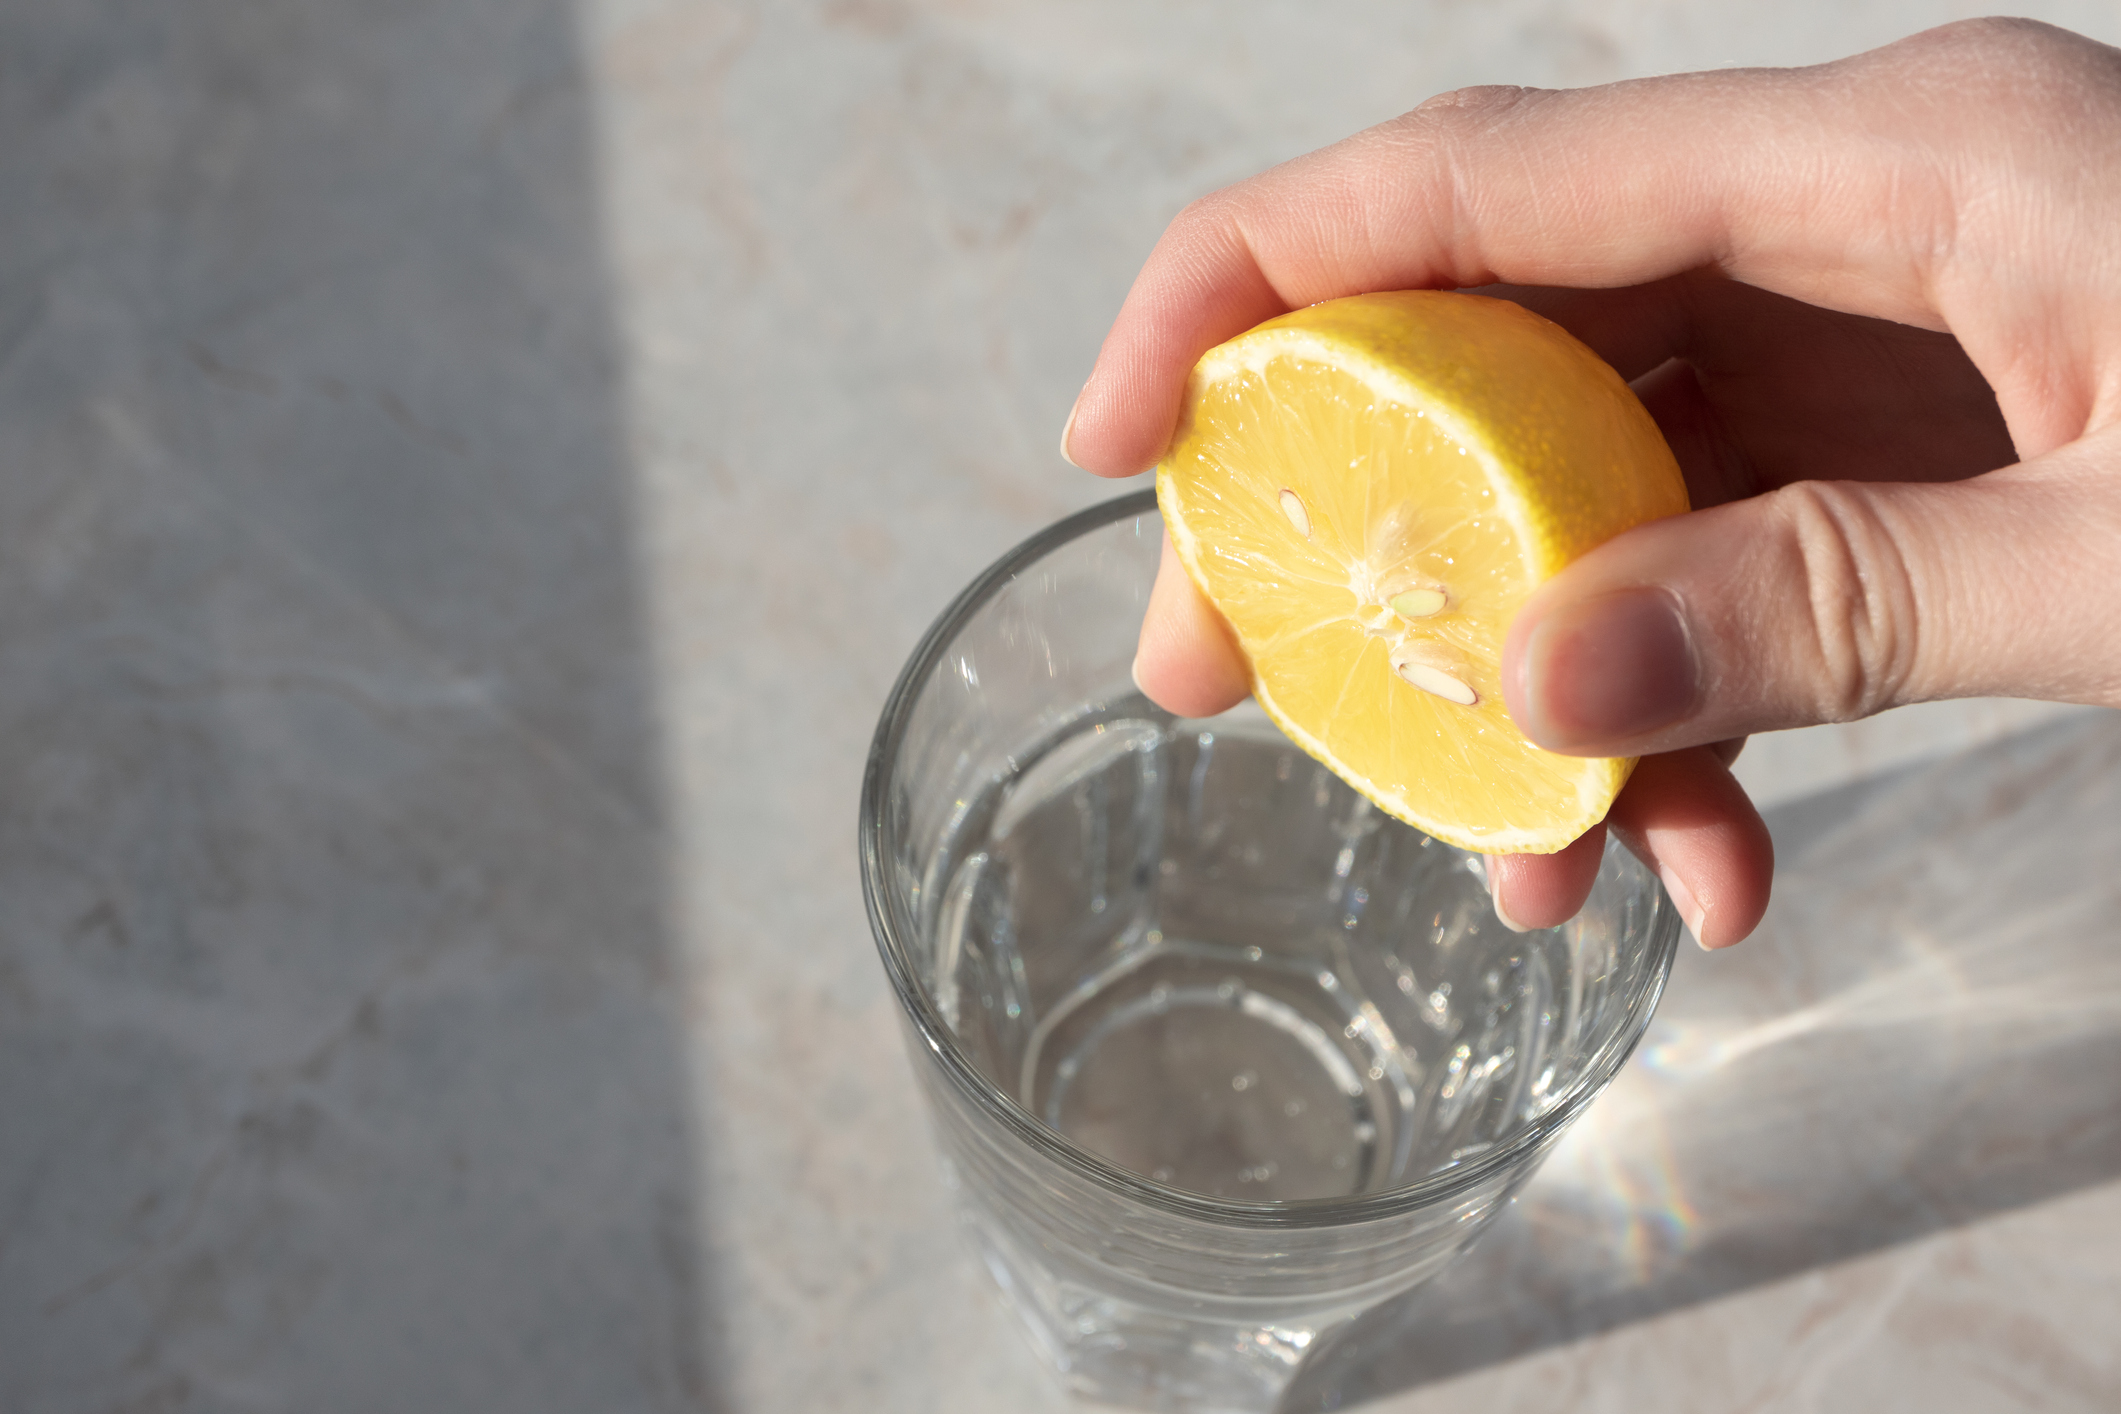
(1875, 307)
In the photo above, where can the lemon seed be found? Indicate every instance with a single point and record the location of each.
(1436, 681)
(1292, 506)
(1419, 603)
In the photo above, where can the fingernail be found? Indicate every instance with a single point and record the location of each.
(1608, 669)
(1492, 872)
(1683, 900)
(1068, 430)
(1134, 670)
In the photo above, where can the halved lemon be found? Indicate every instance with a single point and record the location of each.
(1368, 489)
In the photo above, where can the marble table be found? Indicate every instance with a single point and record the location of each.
(469, 473)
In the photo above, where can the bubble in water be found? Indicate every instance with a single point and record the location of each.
(1227, 988)
(1243, 1079)
(1253, 954)
(1293, 1108)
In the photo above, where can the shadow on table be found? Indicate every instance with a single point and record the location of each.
(340, 1064)
(1926, 1031)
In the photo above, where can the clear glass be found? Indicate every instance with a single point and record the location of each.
(1219, 1055)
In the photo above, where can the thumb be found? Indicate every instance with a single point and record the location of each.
(1828, 601)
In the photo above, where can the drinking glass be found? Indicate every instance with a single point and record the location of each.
(1218, 1055)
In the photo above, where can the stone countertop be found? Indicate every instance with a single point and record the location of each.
(472, 469)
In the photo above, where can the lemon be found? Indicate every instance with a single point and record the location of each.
(1368, 489)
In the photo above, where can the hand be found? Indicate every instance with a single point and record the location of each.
(1874, 305)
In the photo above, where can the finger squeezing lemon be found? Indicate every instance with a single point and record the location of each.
(1369, 489)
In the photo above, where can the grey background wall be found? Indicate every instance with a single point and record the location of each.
(469, 472)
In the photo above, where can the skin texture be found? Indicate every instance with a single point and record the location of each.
(1876, 308)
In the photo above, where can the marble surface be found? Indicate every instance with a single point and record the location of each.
(469, 473)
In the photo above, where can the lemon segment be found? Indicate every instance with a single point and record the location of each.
(1368, 489)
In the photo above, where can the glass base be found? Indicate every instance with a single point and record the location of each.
(1114, 1352)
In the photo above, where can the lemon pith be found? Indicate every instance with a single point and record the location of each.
(1368, 489)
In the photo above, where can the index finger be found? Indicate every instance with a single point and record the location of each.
(1832, 184)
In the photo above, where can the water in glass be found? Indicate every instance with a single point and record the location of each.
(1196, 952)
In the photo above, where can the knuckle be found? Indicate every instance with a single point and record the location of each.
(1999, 108)
(1981, 41)
(1206, 228)
(1445, 125)
(1858, 600)
(1452, 139)
(1479, 104)
(1989, 36)
(1204, 214)
(2025, 70)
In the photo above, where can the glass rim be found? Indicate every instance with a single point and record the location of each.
(895, 930)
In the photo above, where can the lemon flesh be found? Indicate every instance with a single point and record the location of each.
(1368, 489)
